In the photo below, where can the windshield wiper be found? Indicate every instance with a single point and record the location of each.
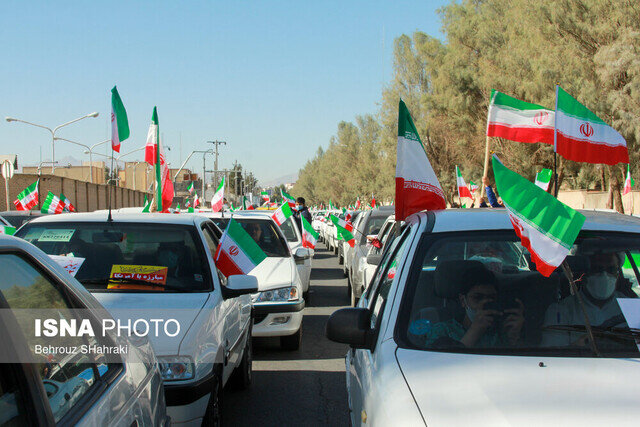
(609, 331)
(131, 282)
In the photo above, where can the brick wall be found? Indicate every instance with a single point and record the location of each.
(86, 197)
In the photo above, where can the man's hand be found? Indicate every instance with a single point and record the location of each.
(513, 322)
(485, 181)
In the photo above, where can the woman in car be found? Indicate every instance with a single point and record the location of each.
(483, 324)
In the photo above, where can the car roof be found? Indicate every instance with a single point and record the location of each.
(498, 219)
(261, 215)
(163, 218)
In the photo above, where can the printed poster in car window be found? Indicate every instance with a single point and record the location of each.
(153, 274)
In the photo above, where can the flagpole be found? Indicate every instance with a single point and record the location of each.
(486, 164)
(555, 146)
(109, 218)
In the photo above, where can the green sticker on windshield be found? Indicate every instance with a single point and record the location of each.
(56, 235)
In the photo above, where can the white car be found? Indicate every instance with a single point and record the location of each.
(161, 266)
(377, 247)
(279, 303)
(458, 328)
(74, 389)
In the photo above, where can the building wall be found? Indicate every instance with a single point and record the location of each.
(80, 173)
(86, 197)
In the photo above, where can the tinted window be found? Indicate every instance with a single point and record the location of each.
(266, 235)
(127, 256)
(288, 230)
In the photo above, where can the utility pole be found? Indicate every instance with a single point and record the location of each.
(215, 166)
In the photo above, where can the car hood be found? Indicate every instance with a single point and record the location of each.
(183, 307)
(458, 389)
(274, 272)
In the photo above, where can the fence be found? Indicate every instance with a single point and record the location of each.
(85, 196)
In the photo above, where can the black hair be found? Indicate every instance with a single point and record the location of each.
(300, 200)
(477, 275)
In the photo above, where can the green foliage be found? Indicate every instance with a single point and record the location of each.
(523, 48)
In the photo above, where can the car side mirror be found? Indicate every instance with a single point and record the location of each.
(302, 253)
(239, 284)
(374, 259)
(350, 326)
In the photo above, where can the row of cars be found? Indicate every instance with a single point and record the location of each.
(188, 368)
(457, 327)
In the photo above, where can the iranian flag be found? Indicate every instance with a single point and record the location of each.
(190, 187)
(265, 196)
(582, 136)
(358, 203)
(473, 186)
(282, 213)
(5, 229)
(68, 206)
(417, 187)
(147, 204)
(154, 155)
(520, 121)
(245, 203)
(187, 204)
(628, 182)
(28, 198)
(237, 252)
(288, 198)
(373, 202)
(344, 230)
(309, 235)
(463, 190)
(119, 121)
(543, 178)
(52, 204)
(196, 200)
(177, 210)
(218, 198)
(546, 226)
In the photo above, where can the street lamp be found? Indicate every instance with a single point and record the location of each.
(53, 132)
(90, 148)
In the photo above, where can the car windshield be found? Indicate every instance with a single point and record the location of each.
(126, 256)
(481, 293)
(263, 232)
(288, 230)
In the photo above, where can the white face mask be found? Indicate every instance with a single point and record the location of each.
(601, 286)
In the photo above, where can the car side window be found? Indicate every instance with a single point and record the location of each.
(66, 378)
(384, 279)
(12, 400)
(212, 244)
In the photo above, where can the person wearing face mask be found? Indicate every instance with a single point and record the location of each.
(301, 211)
(482, 326)
(598, 289)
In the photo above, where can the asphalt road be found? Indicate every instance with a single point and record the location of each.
(304, 387)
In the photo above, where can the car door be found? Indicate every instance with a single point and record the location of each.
(230, 308)
(361, 362)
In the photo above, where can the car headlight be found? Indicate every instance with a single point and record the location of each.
(176, 368)
(290, 293)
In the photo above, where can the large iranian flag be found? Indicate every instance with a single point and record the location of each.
(52, 204)
(309, 235)
(628, 182)
(463, 190)
(584, 137)
(282, 213)
(288, 198)
(237, 252)
(119, 121)
(28, 198)
(417, 187)
(520, 121)
(546, 226)
(344, 230)
(154, 155)
(543, 178)
(218, 198)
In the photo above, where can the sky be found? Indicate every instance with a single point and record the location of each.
(271, 78)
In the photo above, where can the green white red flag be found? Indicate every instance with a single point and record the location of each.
(28, 198)
(463, 190)
(547, 227)
(190, 188)
(68, 206)
(119, 121)
(196, 200)
(373, 202)
(218, 197)
(289, 199)
(309, 235)
(628, 182)
(543, 178)
(282, 213)
(582, 136)
(52, 204)
(265, 196)
(358, 203)
(237, 252)
(417, 187)
(6, 229)
(245, 203)
(520, 121)
(187, 204)
(344, 230)
(154, 155)
(147, 204)
(473, 186)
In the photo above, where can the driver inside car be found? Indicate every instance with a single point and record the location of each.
(483, 325)
(599, 290)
